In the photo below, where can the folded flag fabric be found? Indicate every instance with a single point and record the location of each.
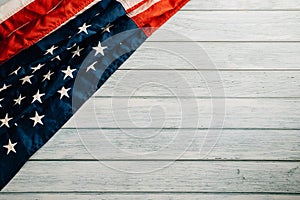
(54, 54)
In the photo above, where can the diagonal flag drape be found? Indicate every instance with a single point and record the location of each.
(54, 55)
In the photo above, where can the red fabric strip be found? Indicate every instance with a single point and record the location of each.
(39, 28)
(29, 13)
(158, 14)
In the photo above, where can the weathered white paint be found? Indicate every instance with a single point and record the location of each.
(216, 55)
(171, 144)
(187, 113)
(173, 83)
(231, 26)
(243, 5)
(130, 196)
(157, 176)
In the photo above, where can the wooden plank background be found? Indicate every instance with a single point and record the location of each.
(144, 135)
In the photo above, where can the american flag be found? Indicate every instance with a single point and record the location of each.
(54, 55)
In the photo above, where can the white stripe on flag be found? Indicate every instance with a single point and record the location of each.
(11, 7)
(129, 3)
(142, 8)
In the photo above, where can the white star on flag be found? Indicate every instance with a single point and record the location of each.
(15, 72)
(50, 50)
(83, 28)
(57, 57)
(68, 72)
(19, 99)
(77, 52)
(26, 79)
(91, 67)
(99, 49)
(37, 119)
(107, 28)
(37, 97)
(5, 121)
(39, 66)
(64, 92)
(4, 87)
(10, 147)
(47, 76)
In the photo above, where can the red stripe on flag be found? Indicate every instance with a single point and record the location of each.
(39, 28)
(156, 15)
(29, 13)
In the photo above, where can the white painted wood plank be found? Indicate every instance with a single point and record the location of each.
(148, 196)
(3, 2)
(157, 176)
(231, 26)
(202, 83)
(187, 113)
(242, 4)
(215, 55)
(172, 144)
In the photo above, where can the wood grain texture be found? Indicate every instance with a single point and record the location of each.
(173, 83)
(187, 113)
(216, 55)
(254, 46)
(242, 4)
(231, 26)
(130, 176)
(148, 196)
(3, 2)
(134, 144)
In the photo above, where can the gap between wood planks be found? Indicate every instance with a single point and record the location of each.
(152, 192)
(161, 160)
